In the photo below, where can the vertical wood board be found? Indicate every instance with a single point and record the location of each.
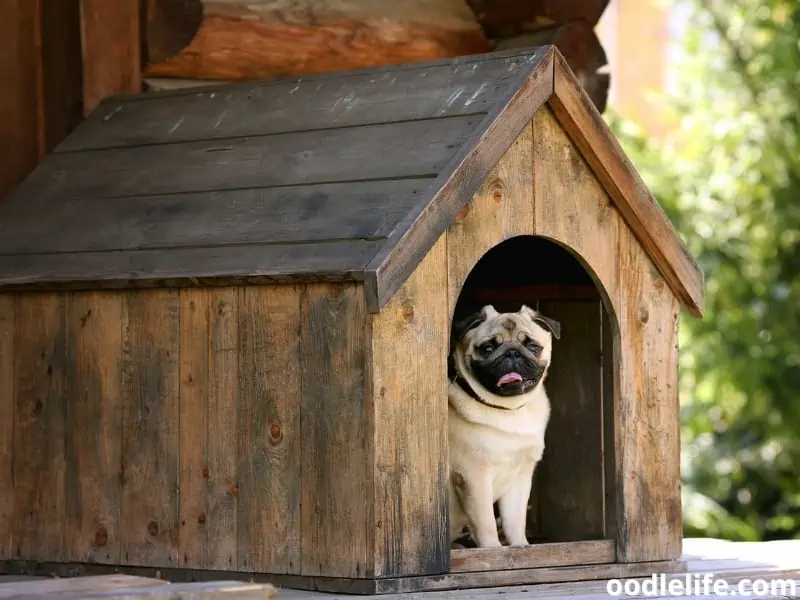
(7, 402)
(649, 521)
(39, 461)
(337, 432)
(409, 341)
(571, 473)
(150, 395)
(269, 430)
(501, 208)
(93, 435)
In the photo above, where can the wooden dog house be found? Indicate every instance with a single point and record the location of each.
(224, 321)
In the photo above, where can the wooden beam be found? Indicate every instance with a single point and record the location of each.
(504, 18)
(112, 49)
(40, 75)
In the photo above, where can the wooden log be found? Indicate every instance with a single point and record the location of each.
(267, 38)
(504, 18)
(581, 48)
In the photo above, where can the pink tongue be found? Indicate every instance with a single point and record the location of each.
(509, 378)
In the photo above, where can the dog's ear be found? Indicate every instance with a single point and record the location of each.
(464, 325)
(551, 325)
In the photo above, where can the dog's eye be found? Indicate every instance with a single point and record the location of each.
(486, 348)
(533, 347)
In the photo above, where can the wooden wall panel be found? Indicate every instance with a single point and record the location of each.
(502, 208)
(648, 516)
(150, 396)
(39, 427)
(7, 311)
(409, 391)
(40, 75)
(269, 430)
(571, 206)
(336, 457)
(570, 476)
(94, 427)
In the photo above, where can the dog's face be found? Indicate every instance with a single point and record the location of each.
(507, 354)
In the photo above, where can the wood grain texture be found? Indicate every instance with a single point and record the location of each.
(572, 209)
(74, 585)
(7, 405)
(647, 437)
(615, 171)
(193, 427)
(150, 394)
(535, 556)
(570, 478)
(409, 389)
(270, 439)
(502, 208)
(458, 181)
(39, 461)
(385, 151)
(181, 267)
(260, 39)
(363, 210)
(222, 455)
(336, 455)
(94, 434)
(112, 41)
(270, 107)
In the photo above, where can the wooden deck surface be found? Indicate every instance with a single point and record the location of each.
(773, 565)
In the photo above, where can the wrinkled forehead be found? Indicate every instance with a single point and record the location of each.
(509, 327)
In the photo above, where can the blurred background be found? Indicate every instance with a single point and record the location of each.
(703, 94)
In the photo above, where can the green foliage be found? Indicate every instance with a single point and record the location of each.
(729, 177)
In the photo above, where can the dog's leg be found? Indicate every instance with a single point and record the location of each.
(476, 497)
(513, 507)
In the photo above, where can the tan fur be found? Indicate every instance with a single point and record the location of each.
(493, 452)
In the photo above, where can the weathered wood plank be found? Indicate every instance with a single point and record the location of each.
(458, 181)
(112, 41)
(571, 206)
(94, 427)
(501, 209)
(535, 556)
(7, 405)
(150, 393)
(363, 210)
(571, 474)
(647, 436)
(193, 542)
(610, 361)
(389, 151)
(644, 216)
(409, 366)
(228, 265)
(39, 427)
(337, 454)
(271, 107)
(74, 585)
(269, 429)
(223, 390)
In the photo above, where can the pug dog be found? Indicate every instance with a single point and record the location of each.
(498, 413)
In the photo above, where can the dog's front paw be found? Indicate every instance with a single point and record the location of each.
(522, 542)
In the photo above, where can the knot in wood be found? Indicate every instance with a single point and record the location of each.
(201, 518)
(152, 528)
(498, 191)
(659, 284)
(275, 433)
(408, 313)
(463, 213)
(100, 537)
(205, 471)
(234, 490)
(644, 314)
